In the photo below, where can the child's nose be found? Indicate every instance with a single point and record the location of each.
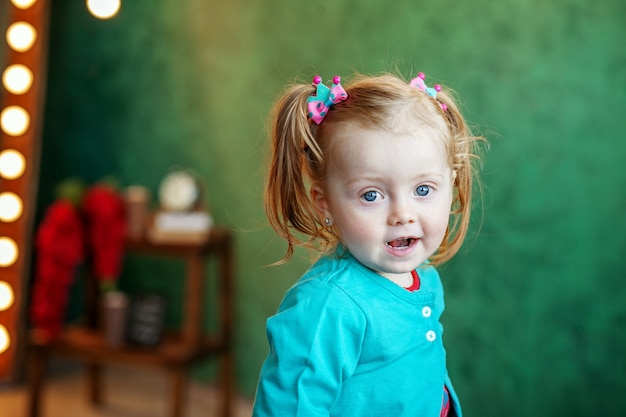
(402, 212)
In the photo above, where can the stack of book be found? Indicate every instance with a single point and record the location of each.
(180, 227)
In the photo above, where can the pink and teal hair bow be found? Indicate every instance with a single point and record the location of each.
(324, 98)
(418, 82)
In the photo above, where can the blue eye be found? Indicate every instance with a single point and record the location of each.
(370, 196)
(422, 190)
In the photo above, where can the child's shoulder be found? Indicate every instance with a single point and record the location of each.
(327, 285)
(332, 278)
(332, 272)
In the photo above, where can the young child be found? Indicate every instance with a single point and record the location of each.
(380, 174)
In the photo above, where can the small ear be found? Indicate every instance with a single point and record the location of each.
(318, 197)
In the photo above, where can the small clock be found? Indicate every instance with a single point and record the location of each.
(179, 191)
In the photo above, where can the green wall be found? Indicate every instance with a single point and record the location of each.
(535, 320)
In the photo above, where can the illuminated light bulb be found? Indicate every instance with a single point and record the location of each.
(8, 251)
(23, 4)
(10, 207)
(14, 120)
(17, 79)
(5, 339)
(6, 296)
(21, 36)
(12, 164)
(103, 9)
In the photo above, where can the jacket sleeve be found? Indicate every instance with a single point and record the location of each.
(315, 342)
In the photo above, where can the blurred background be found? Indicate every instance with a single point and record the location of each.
(536, 318)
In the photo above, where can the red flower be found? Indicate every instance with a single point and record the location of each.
(62, 222)
(106, 230)
(59, 249)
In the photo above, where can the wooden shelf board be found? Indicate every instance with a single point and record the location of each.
(90, 345)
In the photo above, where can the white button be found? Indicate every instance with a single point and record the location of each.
(426, 312)
(431, 336)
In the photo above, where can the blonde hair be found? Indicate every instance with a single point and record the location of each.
(299, 155)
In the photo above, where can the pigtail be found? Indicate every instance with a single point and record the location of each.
(464, 156)
(287, 202)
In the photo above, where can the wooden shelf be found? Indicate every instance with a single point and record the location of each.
(89, 344)
(177, 350)
(214, 241)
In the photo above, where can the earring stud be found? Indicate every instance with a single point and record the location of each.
(327, 221)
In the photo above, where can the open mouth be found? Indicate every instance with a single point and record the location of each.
(402, 243)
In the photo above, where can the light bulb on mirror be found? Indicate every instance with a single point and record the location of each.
(12, 164)
(17, 79)
(103, 9)
(21, 36)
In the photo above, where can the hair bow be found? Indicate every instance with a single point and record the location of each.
(320, 103)
(418, 82)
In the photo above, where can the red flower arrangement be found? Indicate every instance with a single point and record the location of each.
(105, 216)
(60, 249)
(61, 243)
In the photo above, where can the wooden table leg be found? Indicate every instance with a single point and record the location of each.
(38, 364)
(178, 391)
(227, 382)
(94, 376)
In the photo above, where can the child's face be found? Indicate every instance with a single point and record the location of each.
(388, 194)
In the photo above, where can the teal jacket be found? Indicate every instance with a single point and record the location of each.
(348, 342)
